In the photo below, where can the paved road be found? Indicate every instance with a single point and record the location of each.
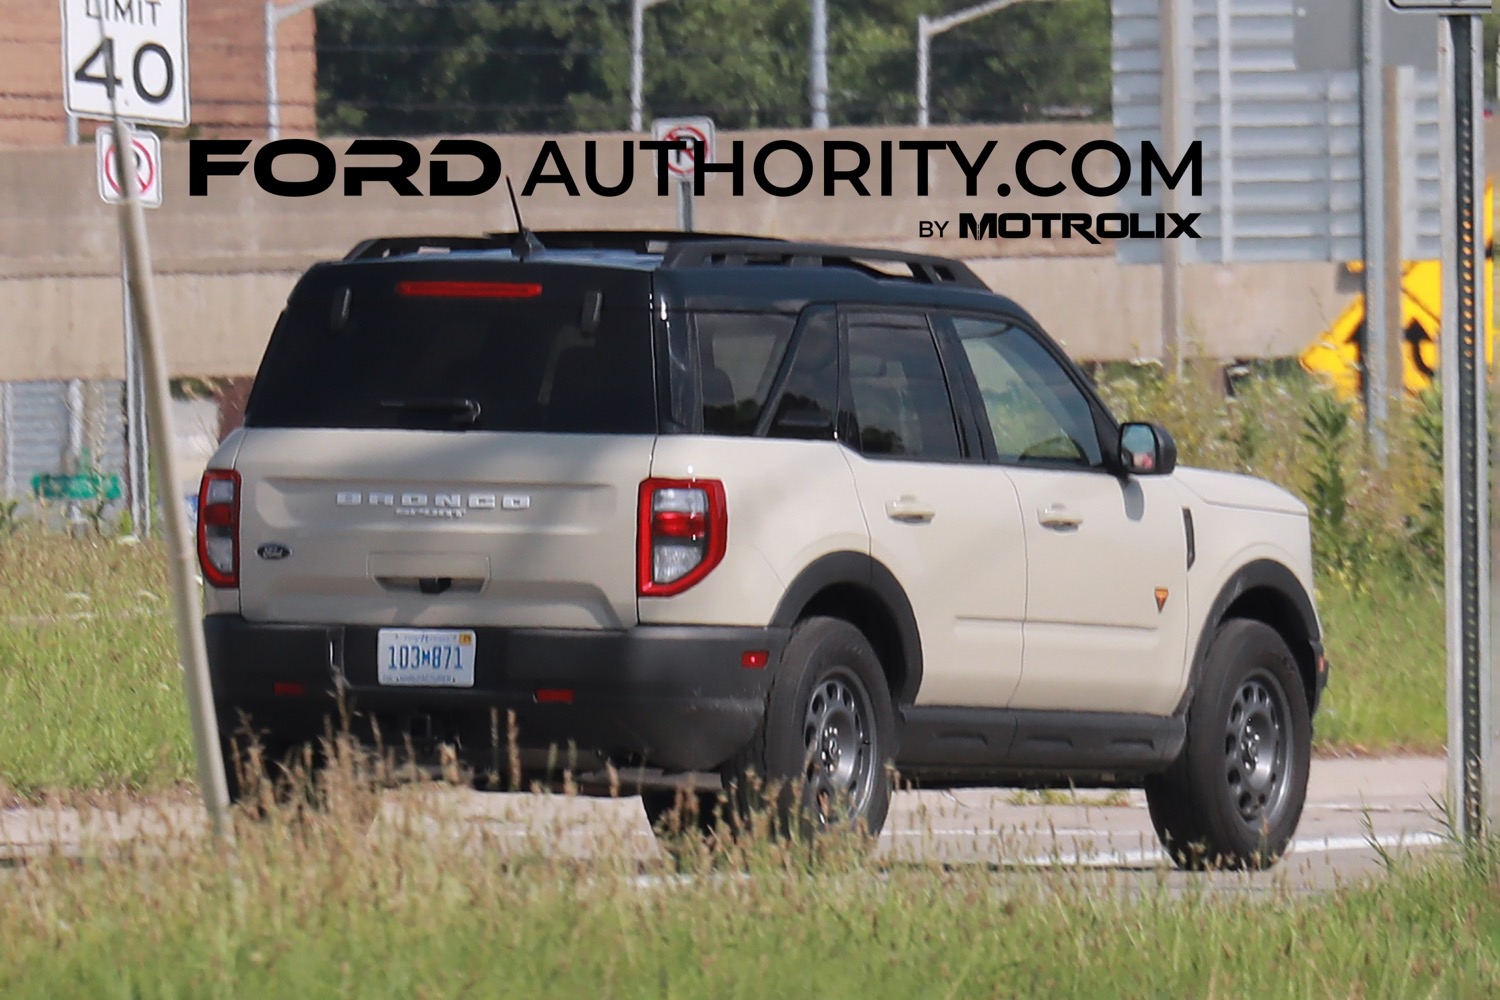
(1357, 811)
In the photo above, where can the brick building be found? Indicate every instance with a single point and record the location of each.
(226, 50)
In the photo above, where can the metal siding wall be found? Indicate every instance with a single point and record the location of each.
(1294, 183)
(35, 431)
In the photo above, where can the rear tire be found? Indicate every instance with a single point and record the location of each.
(826, 741)
(1234, 795)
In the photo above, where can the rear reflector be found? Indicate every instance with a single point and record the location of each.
(554, 696)
(755, 659)
(468, 289)
(288, 689)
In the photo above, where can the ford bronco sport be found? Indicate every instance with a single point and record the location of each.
(717, 506)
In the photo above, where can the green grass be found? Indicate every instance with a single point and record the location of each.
(89, 681)
(1387, 683)
(316, 906)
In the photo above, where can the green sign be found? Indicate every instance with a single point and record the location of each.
(83, 486)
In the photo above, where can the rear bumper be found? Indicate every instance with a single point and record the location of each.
(674, 697)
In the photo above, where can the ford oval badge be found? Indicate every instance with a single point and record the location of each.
(273, 551)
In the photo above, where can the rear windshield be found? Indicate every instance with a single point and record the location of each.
(461, 346)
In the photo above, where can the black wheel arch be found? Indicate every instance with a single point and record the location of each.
(1266, 591)
(862, 591)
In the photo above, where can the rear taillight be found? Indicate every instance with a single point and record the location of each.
(681, 535)
(219, 528)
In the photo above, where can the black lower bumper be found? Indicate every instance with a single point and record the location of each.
(674, 697)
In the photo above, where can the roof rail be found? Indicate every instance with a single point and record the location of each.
(400, 246)
(741, 252)
(634, 240)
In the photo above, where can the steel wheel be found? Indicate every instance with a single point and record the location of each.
(842, 752)
(1256, 749)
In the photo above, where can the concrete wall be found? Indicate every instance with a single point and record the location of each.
(225, 262)
(227, 78)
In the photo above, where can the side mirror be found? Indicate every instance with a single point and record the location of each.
(1146, 450)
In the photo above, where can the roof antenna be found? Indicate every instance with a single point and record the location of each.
(525, 244)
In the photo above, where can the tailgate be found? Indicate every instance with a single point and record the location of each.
(395, 527)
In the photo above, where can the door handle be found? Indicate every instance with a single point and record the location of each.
(909, 510)
(1058, 517)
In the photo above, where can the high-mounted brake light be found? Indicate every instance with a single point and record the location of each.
(681, 536)
(219, 527)
(468, 289)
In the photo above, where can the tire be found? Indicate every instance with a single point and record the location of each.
(827, 738)
(1234, 795)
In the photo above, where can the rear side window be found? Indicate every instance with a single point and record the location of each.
(459, 348)
(738, 356)
(900, 395)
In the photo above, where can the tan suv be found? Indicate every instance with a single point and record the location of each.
(737, 509)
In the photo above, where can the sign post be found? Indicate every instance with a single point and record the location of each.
(146, 147)
(698, 133)
(129, 60)
(1465, 425)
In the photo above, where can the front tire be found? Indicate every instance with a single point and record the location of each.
(1234, 795)
(827, 739)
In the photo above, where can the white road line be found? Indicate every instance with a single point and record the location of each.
(1155, 855)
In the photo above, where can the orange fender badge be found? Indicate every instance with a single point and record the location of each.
(1161, 598)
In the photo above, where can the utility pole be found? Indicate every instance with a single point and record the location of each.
(817, 74)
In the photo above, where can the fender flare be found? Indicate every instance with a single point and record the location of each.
(1262, 574)
(860, 570)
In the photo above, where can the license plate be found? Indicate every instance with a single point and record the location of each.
(426, 657)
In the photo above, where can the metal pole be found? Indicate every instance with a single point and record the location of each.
(182, 565)
(73, 459)
(273, 85)
(1465, 444)
(1395, 362)
(136, 448)
(1373, 377)
(187, 605)
(7, 436)
(685, 204)
(1176, 84)
(818, 70)
(72, 130)
(924, 59)
(637, 61)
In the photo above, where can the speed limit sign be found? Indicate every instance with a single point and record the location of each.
(132, 50)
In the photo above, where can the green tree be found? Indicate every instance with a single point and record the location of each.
(555, 65)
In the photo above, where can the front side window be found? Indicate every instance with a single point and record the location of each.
(900, 396)
(1037, 413)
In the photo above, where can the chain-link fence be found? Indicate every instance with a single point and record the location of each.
(64, 455)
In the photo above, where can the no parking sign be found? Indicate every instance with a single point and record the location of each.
(696, 132)
(147, 149)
